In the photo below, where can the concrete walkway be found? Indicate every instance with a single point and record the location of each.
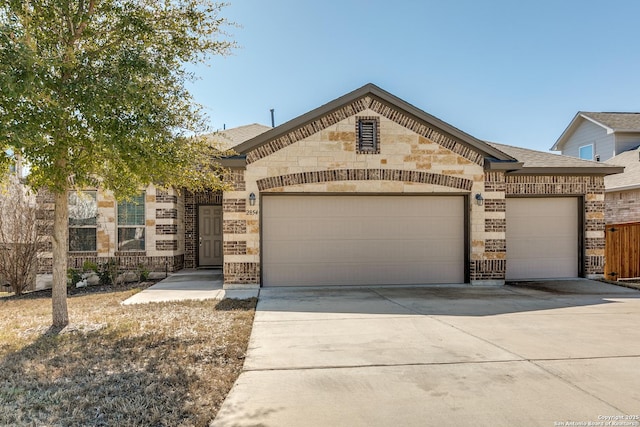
(189, 284)
(548, 354)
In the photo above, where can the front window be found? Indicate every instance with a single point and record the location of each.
(131, 222)
(83, 213)
(586, 152)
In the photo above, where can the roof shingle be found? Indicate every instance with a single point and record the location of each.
(616, 121)
(541, 159)
(630, 179)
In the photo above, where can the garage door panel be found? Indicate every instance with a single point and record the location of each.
(342, 240)
(364, 274)
(378, 251)
(542, 238)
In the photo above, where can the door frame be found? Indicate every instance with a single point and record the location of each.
(197, 234)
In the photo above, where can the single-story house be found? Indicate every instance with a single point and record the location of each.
(367, 189)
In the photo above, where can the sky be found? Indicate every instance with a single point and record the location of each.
(507, 71)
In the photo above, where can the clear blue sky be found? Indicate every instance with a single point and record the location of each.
(507, 71)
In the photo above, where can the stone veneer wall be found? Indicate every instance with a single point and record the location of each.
(321, 157)
(622, 206)
(592, 189)
(164, 213)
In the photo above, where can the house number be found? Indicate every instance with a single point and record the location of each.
(252, 212)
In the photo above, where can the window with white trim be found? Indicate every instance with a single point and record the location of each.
(131, 224)
(83, 214)
(586, 152)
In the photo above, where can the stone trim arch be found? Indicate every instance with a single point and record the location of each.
(315, 177)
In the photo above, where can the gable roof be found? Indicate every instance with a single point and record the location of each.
(611, 122)
(628, 180)
(372, 91)
(540, 162)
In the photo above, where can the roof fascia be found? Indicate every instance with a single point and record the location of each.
(233, 162)
(594, 121)
(498, 165)
(374, 91)
(622, 188)
(568, 171)
(572, 127)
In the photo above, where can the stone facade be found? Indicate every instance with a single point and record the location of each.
(164, 226)
(322, 158)
(622, 206)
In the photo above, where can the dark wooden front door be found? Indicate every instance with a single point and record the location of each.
(209, 236)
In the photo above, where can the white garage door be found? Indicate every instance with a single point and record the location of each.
(542, 238)
(362, 240)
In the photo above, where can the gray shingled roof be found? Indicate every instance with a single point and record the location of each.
(631, 177)
(229, 138)
(541, 159)
(616, 121)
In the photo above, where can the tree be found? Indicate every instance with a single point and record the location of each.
(18, 235)
(93, 94)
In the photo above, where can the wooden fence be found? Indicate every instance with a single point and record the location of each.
(622, 251)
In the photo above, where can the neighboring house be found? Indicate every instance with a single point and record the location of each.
(622, 191)
(599, 136)
(369, 189)
(613, 138)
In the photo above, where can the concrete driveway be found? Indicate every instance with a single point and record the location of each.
(547, 354)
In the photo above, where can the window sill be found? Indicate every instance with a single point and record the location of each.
(130, 253)
(83, 253)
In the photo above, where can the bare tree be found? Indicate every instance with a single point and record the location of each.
(18, 236)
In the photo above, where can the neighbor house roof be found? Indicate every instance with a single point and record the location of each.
(229, 138)
(540, 162)
(611, 122)
(628, 180)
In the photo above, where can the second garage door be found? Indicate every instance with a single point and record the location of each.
(542, 238)
(362, 240)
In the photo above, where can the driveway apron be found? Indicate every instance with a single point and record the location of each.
(537, 355)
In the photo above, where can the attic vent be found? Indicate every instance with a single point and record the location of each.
(368, 135)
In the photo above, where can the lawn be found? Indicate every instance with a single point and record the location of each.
(167, 364)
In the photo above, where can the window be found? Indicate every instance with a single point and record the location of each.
(131, 224)
(83, 213)
(586, 152)
(368, 135)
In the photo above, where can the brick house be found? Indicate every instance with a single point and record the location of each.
(369, 189)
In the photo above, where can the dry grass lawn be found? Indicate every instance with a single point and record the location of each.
(168, 364)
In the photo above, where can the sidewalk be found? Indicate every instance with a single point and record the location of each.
(189, 284)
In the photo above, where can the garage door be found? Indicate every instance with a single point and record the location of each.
(542, 238)
(362, 240)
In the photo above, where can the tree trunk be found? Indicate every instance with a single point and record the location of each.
(60, 245)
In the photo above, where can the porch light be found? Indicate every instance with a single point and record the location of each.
(252, 199)
(479, 199)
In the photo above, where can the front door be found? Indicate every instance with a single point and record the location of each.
(210, 236)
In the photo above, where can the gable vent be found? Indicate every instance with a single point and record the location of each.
(368, 138)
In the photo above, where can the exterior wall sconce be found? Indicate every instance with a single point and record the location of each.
(479, 199)
(252, 199)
